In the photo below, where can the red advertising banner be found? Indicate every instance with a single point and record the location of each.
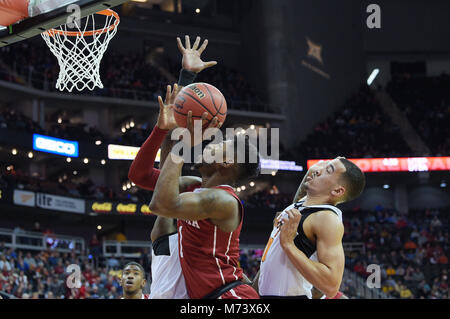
(399, 164)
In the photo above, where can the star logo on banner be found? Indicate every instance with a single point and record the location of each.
(314, 50)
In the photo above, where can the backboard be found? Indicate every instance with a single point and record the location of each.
(49, 14)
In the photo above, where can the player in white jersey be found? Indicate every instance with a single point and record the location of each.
(167, 276)
(305, 246)
(168, 281)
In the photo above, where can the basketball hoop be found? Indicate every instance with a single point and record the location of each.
(80, 52)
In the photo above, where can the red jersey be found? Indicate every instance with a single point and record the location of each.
(209, 257)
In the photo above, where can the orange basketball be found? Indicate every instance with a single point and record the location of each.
(200, 98)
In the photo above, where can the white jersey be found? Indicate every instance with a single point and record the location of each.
(167, 277)
(278, 276)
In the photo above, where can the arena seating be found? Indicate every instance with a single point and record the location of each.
(412, 251)
(426, 103)
(127, 76)
(358, 129)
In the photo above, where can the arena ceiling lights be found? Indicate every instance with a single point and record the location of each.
(398, 164)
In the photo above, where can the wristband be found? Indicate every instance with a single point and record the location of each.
(186, 77)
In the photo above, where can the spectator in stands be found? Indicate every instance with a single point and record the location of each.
(113, 262)
(5, 265)
(359, 128)
(410, 245)
(426, 103)
(37, 227)
(405, 293)
(417, 259)
(31, 262)
(95, 247)
(436, 223)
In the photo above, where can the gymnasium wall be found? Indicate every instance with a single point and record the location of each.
(409, 26)
(314, 59)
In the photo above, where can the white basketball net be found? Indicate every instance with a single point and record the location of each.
(79, 56)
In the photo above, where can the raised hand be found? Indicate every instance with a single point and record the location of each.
(166, 119)
(214, 124)
(192, 55)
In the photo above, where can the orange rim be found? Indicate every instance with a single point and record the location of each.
(106, 12)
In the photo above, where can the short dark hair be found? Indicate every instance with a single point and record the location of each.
(133, 263)
(248, 169)
(354, 179)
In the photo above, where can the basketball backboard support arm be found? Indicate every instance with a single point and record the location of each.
(34, 26)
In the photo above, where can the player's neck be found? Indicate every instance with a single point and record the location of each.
(214, 180)
(317, 200)
(136, 295)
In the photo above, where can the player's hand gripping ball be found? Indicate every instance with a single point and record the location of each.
(200, 98)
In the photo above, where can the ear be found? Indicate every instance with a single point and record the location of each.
(338, 191)
(144, 281)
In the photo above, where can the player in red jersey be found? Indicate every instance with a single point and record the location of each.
(133, 281)
(209, 220)
(144, 175)
(209, 224)
(167, 277)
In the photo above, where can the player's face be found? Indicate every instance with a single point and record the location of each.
(219, 150)
(216, 154)
(132, 279)
(325, 179)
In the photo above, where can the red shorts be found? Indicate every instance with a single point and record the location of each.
(240, 292)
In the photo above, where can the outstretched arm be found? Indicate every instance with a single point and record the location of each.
(326, 273)
(192, 55)
(191, 65)
(142, 171)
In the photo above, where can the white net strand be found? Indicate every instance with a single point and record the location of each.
(79, 56)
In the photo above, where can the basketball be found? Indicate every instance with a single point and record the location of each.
(200, 98)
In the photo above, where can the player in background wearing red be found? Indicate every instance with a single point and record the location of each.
(167, 278)
(209, 218)
(133, 281)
